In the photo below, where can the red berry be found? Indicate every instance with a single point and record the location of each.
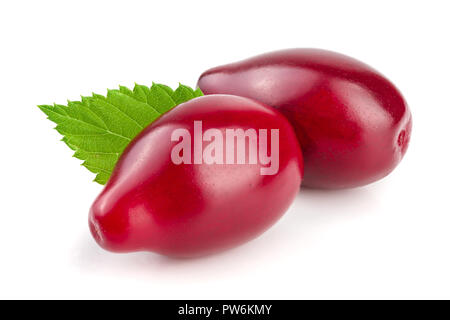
(352, 123)
(152, 203)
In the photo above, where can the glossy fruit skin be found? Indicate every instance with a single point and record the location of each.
(188, 210)
(352, 123)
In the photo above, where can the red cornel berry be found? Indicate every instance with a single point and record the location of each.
(210, 174)
(352, 123)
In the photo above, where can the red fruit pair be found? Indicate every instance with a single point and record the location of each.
(168, 197)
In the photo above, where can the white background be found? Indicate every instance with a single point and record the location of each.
(387, 240)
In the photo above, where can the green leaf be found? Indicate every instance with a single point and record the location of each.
(98, 128)
(183, 93)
